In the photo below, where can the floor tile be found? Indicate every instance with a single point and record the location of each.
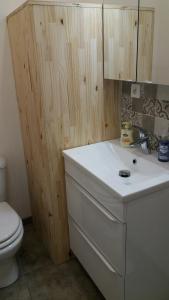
(17, 291)
(33, 254)
(42, 280)
(66, 282)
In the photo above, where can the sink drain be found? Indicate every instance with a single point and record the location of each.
(124, 173)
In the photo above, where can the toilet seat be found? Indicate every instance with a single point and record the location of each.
(13, 238)
(10, 225)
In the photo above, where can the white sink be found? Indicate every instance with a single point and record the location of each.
(104, 161)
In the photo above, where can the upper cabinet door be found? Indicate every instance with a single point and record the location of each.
(153, 46)
(120, 39)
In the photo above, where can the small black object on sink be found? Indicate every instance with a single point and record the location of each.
(124, 173)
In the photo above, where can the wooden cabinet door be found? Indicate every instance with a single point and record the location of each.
(120, 40)
(145, 44)
(153, 62)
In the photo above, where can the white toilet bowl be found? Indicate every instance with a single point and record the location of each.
(11, 234)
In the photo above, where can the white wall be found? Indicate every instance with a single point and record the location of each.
(10, 134)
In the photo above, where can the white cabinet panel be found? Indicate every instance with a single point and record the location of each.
(147, 248)
(105, 196)
(103, 229)
(109, 282)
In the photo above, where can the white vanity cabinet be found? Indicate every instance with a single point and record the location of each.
(122, 242)
(97, 239)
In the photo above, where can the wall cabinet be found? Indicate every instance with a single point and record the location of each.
(136, 42)
(156, 41)
(128, 41)
(63, 101)
(120, 40)
(145, 44)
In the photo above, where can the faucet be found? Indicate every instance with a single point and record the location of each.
(143, 140)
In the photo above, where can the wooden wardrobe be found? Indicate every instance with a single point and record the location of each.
(57, 52)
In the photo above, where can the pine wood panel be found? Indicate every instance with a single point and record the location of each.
(120, 42)
(58, 64)
(50, 222)
(145, 45)
(89, 3)
(160, 63)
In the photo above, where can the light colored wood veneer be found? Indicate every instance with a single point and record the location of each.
(63, 101)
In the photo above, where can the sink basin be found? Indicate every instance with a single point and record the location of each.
(104, 161)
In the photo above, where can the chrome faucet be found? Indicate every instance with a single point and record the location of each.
(143, 140)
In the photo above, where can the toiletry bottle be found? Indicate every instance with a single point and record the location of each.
(126, 134)
(163, 150)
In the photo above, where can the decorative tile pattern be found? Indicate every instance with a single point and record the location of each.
(149, 107)
(126, 115)
(162, 109)
(126, 102)
(137, 119)
(137, 105)
(151, 111)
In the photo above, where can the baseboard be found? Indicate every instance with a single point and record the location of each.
(27, 221)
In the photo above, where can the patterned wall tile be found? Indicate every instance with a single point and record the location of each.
(126, 115)
(137, 119)
(148, 123)
(137, 105)
(151, 111)
(161, 127)
(149, 106)
(162, 109)
(126, 102)
(126, 88)
(150, 90)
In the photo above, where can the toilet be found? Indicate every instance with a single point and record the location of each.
(11, 234)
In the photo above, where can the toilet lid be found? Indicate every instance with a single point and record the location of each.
(9, 221)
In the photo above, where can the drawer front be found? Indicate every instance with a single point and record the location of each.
(102, 229)
(98, 190)
(110, 283)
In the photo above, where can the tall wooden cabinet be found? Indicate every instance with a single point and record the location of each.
(57, 52)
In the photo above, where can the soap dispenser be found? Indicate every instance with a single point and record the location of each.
(126, 134)
(163, 149)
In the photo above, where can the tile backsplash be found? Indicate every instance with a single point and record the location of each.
(150, 111)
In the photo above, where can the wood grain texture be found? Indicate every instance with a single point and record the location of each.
(49, 215)
(120, 42)
(89, 3)
(63, 101)
(145, 45)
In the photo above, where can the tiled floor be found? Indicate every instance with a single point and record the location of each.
(41, 280)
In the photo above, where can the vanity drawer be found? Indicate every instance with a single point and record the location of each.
(101, 228)
(110, 283)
